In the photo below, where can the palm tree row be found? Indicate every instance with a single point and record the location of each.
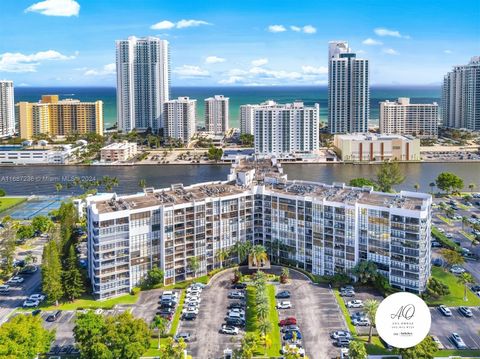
(262, 307)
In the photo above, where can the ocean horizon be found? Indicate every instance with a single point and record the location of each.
(238, 96)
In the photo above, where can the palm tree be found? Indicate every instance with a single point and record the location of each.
(194, 265)
(262, 311)
(465, 279)
(416, 186)
(221, 255)
(242, 249)
(452, 257)
(285, 274)
(258, 255)
(370, 307)
(58, 187)
(432, 186)
(472, 186)
(266, 340)
(142, 183)
(159, 323)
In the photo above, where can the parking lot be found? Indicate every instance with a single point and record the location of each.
(468, 328)
(363, 294)
(317, 314)
(206, 341)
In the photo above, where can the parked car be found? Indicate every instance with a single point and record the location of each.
(457, 270)
(189, 316)
(236, 295)
(288, 328)
(362, 322)
(4, 288)
(236, 322)
(347, 293)
(445, 311)
(286, 304)
(467, 312)
(342, 342)
(288, 321)
(357, 315)
(458, 341)
(235, 315)
(341, 334)
(239, 286)
(39, 297)
(475, 288)
(16, 280)
(36, 312)
(346, 288)
(293, 348)
(229, 329)
(357, 303)
(438, 342)
(292, 334)
(188, 310)
(240, 311)
(185, 336)
(194, 290)
(236, 305)
(54, 316)
(284, 294)
(30, 303)
(436, 244)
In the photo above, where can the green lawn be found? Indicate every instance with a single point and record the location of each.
(89, 303)
(460, 353)
(183, 285)
(376, 347)
(7, 203)
(178, 313)
(455, 298)
(274, 335)
(345, 312)
(444, 219)
(469, 236)
(442, 238)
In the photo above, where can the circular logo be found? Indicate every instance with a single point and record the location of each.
(403, 320)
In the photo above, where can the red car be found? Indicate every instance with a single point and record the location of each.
(288, 321)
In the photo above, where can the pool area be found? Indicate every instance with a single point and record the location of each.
(11, 147)
(35, 206)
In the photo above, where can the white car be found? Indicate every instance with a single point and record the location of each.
(31, 303)
(39, 297)
(16, 280)
(362, 322)
(286, 304)
(292, 348)
(458, 341)
(193, 301)
(237, 310)
(457, 270)
(190, 310)
(194, 289)
(355, 304)
(229, 329)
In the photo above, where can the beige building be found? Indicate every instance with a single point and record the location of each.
(58, 117)
(118, 152)
(404, 118)
(367, 147)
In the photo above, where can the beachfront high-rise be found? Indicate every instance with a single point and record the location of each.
(7, 112)
(179, 119)
(285, 129)
(404, 118)
(348, 90)
(323, 229)
(461, 96)
(58, 117)
(216, 114)
(143, 82)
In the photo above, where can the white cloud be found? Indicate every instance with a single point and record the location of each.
(109, 69)
(182, 24)
(55, 8)
(214, 60)
(309, 29)
(277, 28)
(232, 80)
(259, 62)
(18, 62)
(448, 51)
(381, 31)
(371, 42)
(190, 71)
(163, 25)
(312, 70)
(390, 51)
(295, 28)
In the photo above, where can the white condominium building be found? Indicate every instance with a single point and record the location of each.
(323, 229)
(7, 109)
(180, 122)
(404, 118)
(367, 147)
(121, 151)
(216, 114)
(247, 119)
(348, 90)
(143, 82)
(283, 129)
(461, 96)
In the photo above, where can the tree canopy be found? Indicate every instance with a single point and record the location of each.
(360, 182)
(449, 182)
(388, 176)
(425, 350)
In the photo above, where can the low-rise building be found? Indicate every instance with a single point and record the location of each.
(119, 151)
(404, 118)
(323, 229)
(55, 155)
(367, 147)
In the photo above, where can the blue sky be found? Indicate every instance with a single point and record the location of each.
(282, 42)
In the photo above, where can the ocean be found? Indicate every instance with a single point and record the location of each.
(238, 96)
